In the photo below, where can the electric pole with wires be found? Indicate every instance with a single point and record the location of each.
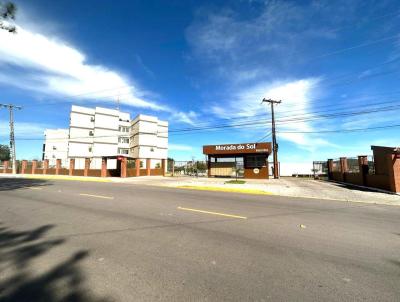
(274, 143)
(12, 137)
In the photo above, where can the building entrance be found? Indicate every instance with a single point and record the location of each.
(248, 160)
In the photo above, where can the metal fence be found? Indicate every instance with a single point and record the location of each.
(371, 165)
(336, 166)
(353, 165)
(320, 167)
(188, 168)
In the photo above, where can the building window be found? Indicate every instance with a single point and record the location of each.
(92, 118)
(123, 151)
(90, 149)
(124, 140)
(54, 148)
(123, 129)
(91, 133)
(255, 161)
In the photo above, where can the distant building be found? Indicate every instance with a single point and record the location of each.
(98, 132)
(56, 146)
(148, 138)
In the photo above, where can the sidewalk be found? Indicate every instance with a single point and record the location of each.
(286, 186)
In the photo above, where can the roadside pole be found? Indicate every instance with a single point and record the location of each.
(274, 143)
(12, 137)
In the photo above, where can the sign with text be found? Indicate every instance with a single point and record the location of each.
(238, 148)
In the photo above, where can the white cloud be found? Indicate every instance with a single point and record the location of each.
(279, 35)
(190, 117)
(179, 147)
(295, 95)
(53, 67)
(23, 129)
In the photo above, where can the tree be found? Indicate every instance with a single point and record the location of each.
(8, 11)
(4, 152)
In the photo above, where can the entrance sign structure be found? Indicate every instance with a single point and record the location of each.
(247, 160)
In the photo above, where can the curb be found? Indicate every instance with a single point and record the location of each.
(57, 177)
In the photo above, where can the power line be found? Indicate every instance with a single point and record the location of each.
(344, 130)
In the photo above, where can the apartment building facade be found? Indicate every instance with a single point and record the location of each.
(101, 132)
(56, 146)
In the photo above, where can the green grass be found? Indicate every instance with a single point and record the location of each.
(238, 182)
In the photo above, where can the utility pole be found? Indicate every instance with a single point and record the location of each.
(274, 144)
(12, 137)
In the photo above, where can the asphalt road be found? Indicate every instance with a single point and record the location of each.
(85, 241)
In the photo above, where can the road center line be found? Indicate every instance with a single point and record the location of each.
(97, 196)
(212, 213)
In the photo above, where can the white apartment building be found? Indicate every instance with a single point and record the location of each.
(98, 132)
(56, 146)
(149, 139)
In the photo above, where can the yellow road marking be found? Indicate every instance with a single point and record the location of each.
(213, 213)
(34, 188)
(97, 196)
(230, 190)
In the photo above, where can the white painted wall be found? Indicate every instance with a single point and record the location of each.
(56, 146)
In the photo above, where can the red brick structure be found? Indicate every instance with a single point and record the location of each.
(45, 166)
(163, 167)
(87, 167)
(137, 165)
(58, 166)
(124, 163)
(71, 167)
(126, 167)
(5, 166)
(385, 174)
(34, 166)
(23, 166)
(148, 163)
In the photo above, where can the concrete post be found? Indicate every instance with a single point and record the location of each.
(137, 166)
(58, 166)
(23, 166)
(393, 161)
(87, 167)
(71, 166)
(124, 163)
(148, 162)
(5, 166)
(45, 166)
(34, 166)
(163, 167)
(104, 167)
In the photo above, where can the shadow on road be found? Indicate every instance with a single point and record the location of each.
(8, 184)
(64, 281)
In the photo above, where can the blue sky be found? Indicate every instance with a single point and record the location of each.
(207, 64)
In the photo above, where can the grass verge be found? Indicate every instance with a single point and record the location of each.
(236, 182)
